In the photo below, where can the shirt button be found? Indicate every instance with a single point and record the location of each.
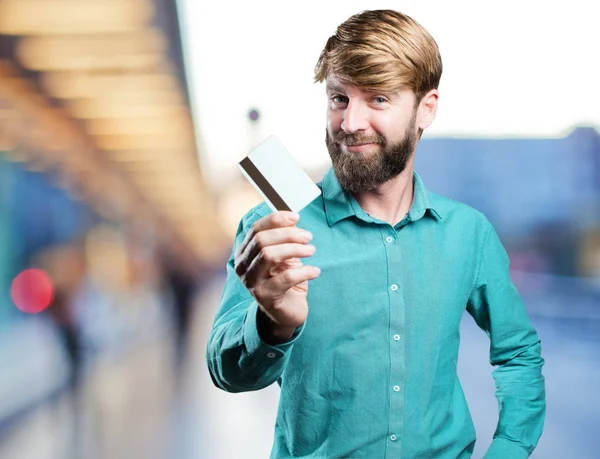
(271, 355)
(390, 239)
(394, 287)
(396, 337)
(393, 437)
(396, 388)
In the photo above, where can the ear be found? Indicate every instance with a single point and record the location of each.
(427, 109)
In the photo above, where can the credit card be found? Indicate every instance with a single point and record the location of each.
(278, 177)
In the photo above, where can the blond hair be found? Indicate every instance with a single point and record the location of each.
(382, 50)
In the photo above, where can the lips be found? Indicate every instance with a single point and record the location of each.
(358, 147)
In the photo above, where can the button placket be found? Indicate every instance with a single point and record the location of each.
(393, 248)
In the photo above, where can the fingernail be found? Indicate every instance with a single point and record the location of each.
(294, 217)
(308, 235)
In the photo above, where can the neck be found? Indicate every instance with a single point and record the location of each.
(391, 200)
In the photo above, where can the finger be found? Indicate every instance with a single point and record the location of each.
(271, 256)
(277, 219)
(277, 236)
(266, 238)
(289, 278)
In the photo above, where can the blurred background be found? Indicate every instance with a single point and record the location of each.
(121, 124)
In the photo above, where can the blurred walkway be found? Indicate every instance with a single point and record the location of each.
(134, 408)
(121, 411)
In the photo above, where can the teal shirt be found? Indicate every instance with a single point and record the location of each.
(373, 371)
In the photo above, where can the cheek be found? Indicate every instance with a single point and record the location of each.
(334, 121)
(392, 129)
(384, 127)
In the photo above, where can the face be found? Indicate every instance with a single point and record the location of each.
(371, 136)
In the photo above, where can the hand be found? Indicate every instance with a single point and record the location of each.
(268, 264)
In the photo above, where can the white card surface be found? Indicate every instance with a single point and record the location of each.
(278, 177)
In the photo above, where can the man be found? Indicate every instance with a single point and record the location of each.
(367, 356)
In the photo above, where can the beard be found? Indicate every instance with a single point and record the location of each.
(363, 171)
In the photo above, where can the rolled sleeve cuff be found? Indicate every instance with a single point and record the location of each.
(501, 448)
(256, 347)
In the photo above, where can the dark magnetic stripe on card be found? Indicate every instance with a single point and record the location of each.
(263, 184)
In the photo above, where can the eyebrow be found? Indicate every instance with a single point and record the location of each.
(334, 87)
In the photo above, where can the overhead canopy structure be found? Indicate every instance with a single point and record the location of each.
(96, 90)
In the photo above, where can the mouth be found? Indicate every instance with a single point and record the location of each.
(359, 148)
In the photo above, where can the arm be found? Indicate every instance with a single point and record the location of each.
(515, 350)
(238, 357)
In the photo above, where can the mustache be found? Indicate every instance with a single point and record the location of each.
(358, 139)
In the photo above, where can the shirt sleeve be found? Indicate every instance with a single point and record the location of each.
(238, 359)
(515, 351)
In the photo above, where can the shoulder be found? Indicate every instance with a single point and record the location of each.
(467, 227)
(459, 213)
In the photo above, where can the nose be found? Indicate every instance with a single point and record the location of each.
(355, 118)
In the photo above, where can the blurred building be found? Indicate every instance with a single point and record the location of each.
(542, 195)
(100, 185)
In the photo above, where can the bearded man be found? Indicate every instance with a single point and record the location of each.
(366, 357)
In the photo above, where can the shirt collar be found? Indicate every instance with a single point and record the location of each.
(339, 203)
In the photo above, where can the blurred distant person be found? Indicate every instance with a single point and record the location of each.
(61, 311)
(183, 288)
(367, 357)
(66, 265)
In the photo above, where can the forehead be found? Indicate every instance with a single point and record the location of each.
(334, 82)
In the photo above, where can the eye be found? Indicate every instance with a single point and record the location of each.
(380, 100)
(339, 99)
